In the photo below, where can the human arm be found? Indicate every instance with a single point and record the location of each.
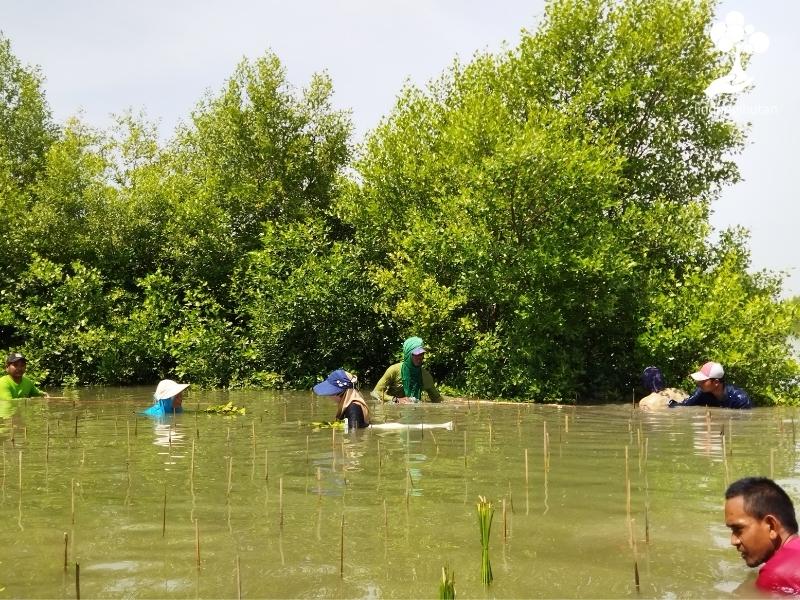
(386, 388)
(694, 400)
(430, 387)
(737, 398)
(5, 388)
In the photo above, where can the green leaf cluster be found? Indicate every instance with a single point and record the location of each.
(539, 216)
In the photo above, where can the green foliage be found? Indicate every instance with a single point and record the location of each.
(539, 217)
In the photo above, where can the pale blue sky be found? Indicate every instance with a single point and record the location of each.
(105, 56)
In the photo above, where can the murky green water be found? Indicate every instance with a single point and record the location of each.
(266, 495)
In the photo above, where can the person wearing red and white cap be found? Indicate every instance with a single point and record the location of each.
(713, 391)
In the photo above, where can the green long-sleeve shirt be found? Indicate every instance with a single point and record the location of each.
(10, 389)
(391, 385)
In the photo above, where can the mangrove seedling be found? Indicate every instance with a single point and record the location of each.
(447, 587)
(485, 514)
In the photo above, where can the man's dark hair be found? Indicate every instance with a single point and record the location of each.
(761, 497)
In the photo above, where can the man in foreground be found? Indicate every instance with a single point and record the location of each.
(713, 391)
(763, 527)
(14, 384)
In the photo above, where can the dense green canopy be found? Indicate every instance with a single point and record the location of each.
(539, 217)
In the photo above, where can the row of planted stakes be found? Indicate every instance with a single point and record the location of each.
(484, 509)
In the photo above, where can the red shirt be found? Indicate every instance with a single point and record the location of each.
(781, 573)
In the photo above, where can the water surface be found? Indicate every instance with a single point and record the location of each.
(266, 495)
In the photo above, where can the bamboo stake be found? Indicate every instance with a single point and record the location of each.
(385, 522)
(280, 501)
(490, 435)
(266, 464)
(230, 474)
(341, 550)
(725, 462)
(66, 550)
(730, 437)
(238, 579)
(135, 427)
(76, 426)
(772, 463)
(197, 542)
(526, 467)
(505, 523)
(78, 581)
(566, 423)
(546, 443)
(164, 515)
(635, 566)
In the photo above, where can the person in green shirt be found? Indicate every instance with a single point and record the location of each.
(405, 381)
(14, 384)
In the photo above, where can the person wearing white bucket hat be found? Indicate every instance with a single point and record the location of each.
(168, 398)
(713, 391)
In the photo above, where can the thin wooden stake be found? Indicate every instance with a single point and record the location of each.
(772, 463)
(526, 467)
(230, 473)
(66, 550)
(238, 579)
(280, 500)
(505, 523)
(725, 461)
(341, 550)
(197, 542)
(164, 514)
(78, 581)
(266, 464)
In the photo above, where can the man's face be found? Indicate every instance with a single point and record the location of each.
(16, 369)
(753, 538)
(707, 385)
(418, 359)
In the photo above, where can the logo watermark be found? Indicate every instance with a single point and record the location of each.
(734, 36)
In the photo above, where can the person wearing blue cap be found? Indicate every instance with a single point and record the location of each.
(405, 381)
(167, 399)
(350, 405)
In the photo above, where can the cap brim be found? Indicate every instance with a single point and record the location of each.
(417, 351)
(327, 389)
(699, 376)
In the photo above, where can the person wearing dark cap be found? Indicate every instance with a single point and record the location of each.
(14, 384)
(405, 381)
(660, 395)
(763, 527)
(713, 391)
(350, 405)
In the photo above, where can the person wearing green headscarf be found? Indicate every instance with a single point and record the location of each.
(405, 381)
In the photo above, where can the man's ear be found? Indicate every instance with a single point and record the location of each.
(774, 526)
